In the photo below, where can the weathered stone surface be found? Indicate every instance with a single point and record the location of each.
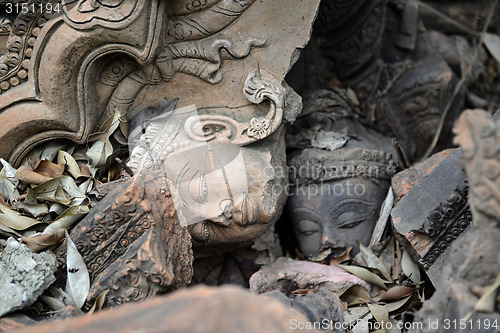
(403, 181)
(339, 174)
(475, 262)
(132, 242)
(200, 52)
(434, 211)
(287, 275)
(322, 306)
(24, 275)
(381, 51)
(200, 309)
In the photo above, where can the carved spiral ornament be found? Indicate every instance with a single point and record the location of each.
(221, 128)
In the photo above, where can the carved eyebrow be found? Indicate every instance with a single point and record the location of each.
(335, 208)
(305, 210)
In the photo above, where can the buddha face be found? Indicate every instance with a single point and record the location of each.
(216, 194)
(335, 214)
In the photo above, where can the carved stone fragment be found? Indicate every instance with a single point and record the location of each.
(433, 212)
(474, 261)
(132, 242)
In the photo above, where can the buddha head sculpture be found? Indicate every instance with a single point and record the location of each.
(339, 180)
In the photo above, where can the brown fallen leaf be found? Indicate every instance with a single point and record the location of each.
(354, 295)
(41, 242)
(49, 169)
(99, 302)
(30, 177)
(344, 257)
(395, 293)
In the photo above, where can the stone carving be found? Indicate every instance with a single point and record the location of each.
(429, 218)
(477, 266)
(132, 242)
(71, 64)
(403, 87)
(136, 45)
(247, 201)
(340, 177)
(208, 127)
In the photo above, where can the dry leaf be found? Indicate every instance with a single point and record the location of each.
(30, 177)
(66, 159)
(487, 301)
(66, 219)
(8, 231)
(365, 274)
(41, 242)
(78, 281)
(410, 268)
(36, 210)
(61, 296)
(492, 43)
(344, 257)
(102, 148)
(49, 169)
(362, 326)
(355, 294)
(373, 261)
(396, 292)
(380, 314)
(99, 302)
(14, 220)
(53, 303)
(62, 190)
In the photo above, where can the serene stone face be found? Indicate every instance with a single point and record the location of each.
(339, 173)
(335, 214)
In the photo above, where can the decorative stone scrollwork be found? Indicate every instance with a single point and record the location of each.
(5, 26)
(446, 223)
(221, 128)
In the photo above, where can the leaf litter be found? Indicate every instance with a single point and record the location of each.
(52, 189)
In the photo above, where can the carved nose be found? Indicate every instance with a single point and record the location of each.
(327, 242)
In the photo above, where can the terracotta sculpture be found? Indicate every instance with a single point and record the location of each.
(337, 191)
(390, 63)
(69, 65)
(473, 273)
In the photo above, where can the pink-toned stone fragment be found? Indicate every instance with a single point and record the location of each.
(286, 273)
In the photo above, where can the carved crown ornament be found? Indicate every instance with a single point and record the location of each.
(65, 71)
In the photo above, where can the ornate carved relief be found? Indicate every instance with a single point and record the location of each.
(445, 223)
(132, 242)
(206, 128)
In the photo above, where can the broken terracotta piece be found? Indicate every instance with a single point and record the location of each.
(474, 263)
(434, 212)
(287, 275)
(183, 50)
(401, 85)
(132, 242)
(199, 309)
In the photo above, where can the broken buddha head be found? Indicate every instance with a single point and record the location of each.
(338, 181)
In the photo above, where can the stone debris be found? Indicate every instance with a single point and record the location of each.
(286, 272)
(24, 276)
